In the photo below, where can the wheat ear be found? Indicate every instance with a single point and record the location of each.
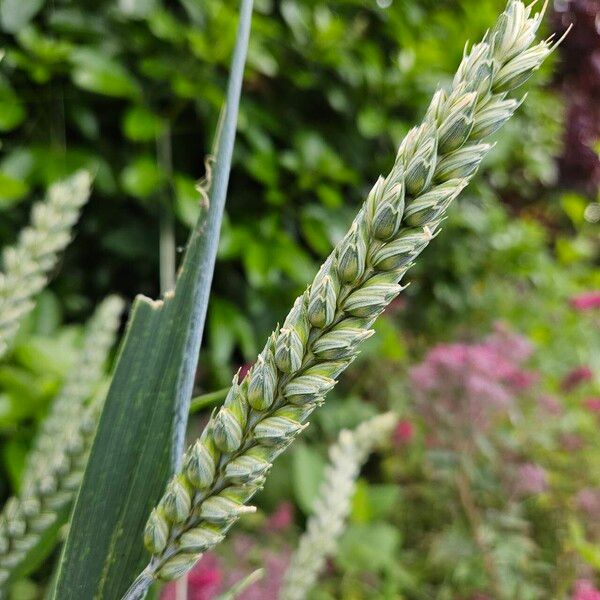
(27, 264)
(332, 505)
(79, 386)
(302, 360)
(58, 460)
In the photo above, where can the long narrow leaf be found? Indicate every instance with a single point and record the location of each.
(141, 428)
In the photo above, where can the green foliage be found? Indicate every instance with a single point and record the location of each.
(329, 90)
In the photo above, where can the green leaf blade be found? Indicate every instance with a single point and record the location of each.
(141, 431)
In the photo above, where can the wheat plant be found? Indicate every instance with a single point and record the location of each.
(27, 264)
(301, 361)
(56, 462)
(332, 505)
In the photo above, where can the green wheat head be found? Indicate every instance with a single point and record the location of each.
(320, 337)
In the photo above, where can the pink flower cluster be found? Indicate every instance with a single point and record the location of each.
(273, 561)
(585, 590)
(470, 384)
(530, 479)
(588, 501)
(576, 377)
(586, 301)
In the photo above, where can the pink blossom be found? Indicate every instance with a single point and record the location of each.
(281, 519)
(593, 404)
(588, 501)
(575, 377)
(530, 479)
(585, 590)
(571, 442)
(471, 384)
(204, 581)
(248, 553)
(586, 301)
(403, 432)
(550, 405)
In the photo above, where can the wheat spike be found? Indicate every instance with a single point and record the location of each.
(332, 504)
(58, 459)
(27, 264)
(320, 337)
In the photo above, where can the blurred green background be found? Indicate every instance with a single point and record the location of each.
(132, 89)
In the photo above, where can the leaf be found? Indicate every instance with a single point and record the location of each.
(140, 433)
(368, 548)
(95, 72)
(15, 14)
(141, 125)
(142, 177)
(12, 110)
(307, 473)
(11, 190)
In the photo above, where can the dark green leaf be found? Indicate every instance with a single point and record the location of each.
(140, 435)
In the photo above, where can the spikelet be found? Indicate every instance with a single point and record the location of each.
(301, 362)
(332, 505)
(58, 459)
(27, 264)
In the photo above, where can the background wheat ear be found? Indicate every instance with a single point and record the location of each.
(332, 504)
(27, 265)
(320, 337)
(57, 460)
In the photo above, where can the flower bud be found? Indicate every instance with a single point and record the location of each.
(322, 299)
(475, 70)
(385, 204)
(351, 256)
(156, 533)
(514, 31)
(177, 502)
(431, 204)
(200, 539)
(461, 163)
(436, 108)
(306, 388)
(227, 430)
(518, 70)
(289, 350)
(456, 126)
(276, 430)
(219, 509)
(401, 251)
(492, 116)
(340, 342)
(418, 152)
(373, 297)
(177, 566)
(200, 466)
(247, 467)
(262, 382)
